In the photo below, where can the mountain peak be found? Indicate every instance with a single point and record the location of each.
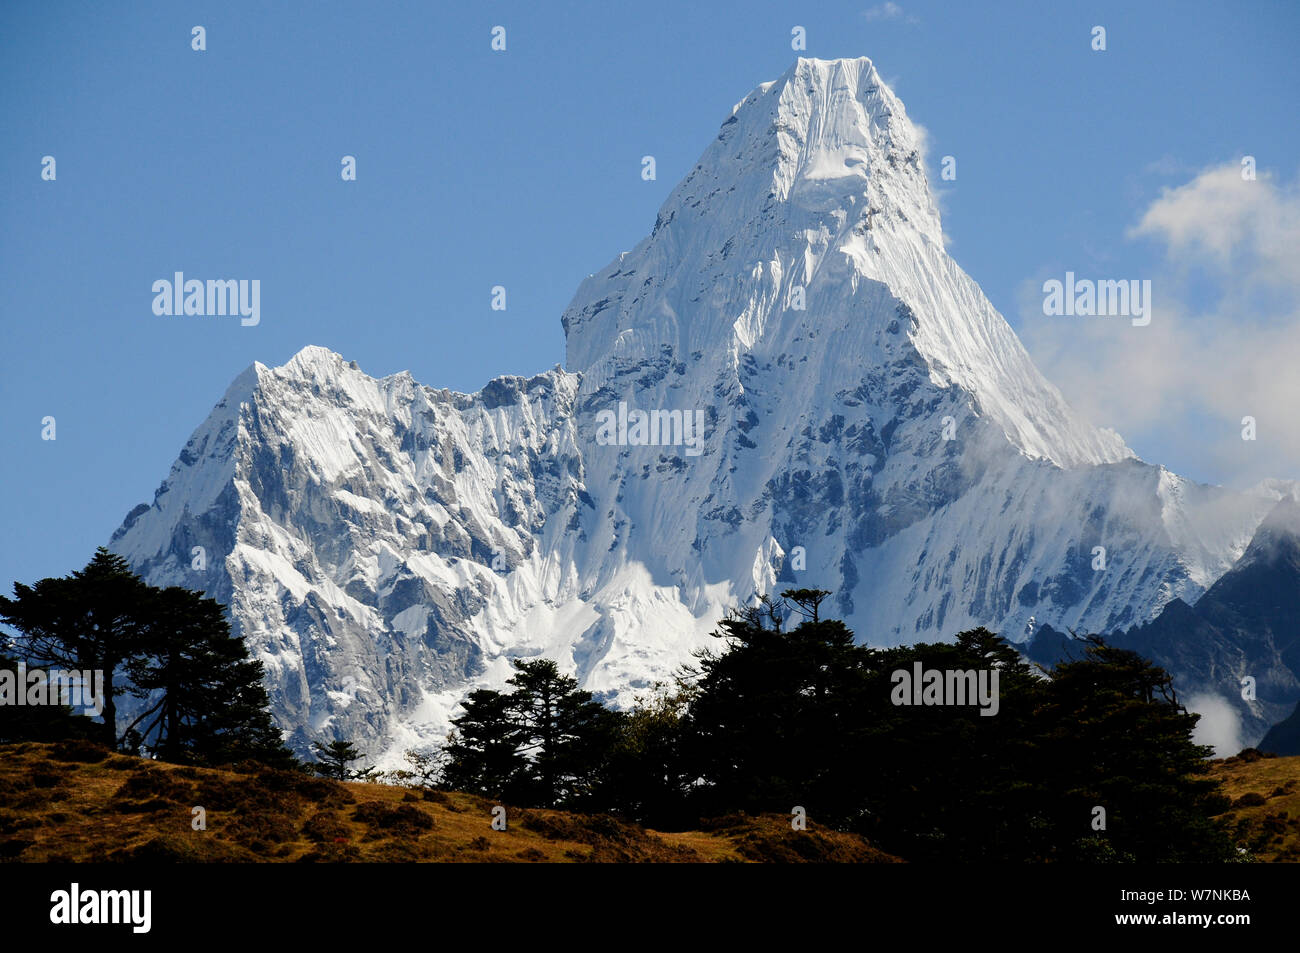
(839, 130)
(827, 399)
(313, 358)
(807, 236)
(858, 70)
(1278, 536)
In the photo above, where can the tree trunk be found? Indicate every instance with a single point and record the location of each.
(109, 730)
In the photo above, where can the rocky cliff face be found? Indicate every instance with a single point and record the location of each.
(868, 423)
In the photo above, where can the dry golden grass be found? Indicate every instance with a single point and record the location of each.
(75, 802)
(1265, 812)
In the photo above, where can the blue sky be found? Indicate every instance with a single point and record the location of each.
(522, 168)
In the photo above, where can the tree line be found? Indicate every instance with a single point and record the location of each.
(1092, 760)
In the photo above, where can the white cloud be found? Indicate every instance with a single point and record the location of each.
(1219, 727)
(889, 11)
(1221, 216)
(1223, 342)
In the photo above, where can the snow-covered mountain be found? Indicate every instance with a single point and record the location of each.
(870, 425)
(1244, 626)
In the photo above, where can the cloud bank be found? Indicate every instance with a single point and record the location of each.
(1224, 341)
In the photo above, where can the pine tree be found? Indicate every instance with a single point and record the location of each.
(946, 782)
(209, 702)
(545, 743)
(484, 753)
(646, 779)
(204, 698)
(774, 719)
(562, 729)
(1119, 738)
(94, 619)
(335, 758)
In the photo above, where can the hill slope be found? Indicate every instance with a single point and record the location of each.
(76, 802)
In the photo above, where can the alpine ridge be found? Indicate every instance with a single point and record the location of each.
(1236, 648)
(872, 426)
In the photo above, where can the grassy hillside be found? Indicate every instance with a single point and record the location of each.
(1265, 813)
(77, 802)
(74, 801)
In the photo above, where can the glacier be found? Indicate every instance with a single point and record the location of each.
(872, 426)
